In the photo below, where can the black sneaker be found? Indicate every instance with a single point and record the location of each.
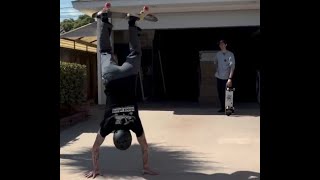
(132, 19)
(103, 15)
(106, 14)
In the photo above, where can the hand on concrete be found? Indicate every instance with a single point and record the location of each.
(149, 171)
(92, 174)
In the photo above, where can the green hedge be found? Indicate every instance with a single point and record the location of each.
(72, 84)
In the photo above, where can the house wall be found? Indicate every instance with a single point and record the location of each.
(197, 20)
(183, 14)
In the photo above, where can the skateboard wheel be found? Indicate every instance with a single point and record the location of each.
(146, 8)
(107, 5)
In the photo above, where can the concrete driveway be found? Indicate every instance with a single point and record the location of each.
(186, 142)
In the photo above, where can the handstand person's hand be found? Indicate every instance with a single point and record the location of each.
(147, 170)
(92, 174)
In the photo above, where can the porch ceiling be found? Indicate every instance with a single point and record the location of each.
(83, 38)
(166, 6)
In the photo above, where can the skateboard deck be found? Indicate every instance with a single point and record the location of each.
(229, 101)
(144, 14)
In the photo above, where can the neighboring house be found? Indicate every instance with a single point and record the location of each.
(201, 21)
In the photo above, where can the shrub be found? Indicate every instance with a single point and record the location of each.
(72, 85)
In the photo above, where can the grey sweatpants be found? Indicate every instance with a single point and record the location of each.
(110, 70)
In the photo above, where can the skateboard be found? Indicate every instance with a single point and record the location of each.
(144, 14)
(229, 101)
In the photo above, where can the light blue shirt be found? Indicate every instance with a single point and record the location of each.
(224, 62)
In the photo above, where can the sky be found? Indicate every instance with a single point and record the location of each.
(66, 10)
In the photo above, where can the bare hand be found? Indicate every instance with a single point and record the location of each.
(92, 174)
(149, 171)
(229, 83)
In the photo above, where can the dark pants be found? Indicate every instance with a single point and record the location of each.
(221, 85)
(120, 81)
(110, 70)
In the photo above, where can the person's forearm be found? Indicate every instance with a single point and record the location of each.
(145, 158)
(95, 158)
(231, 73)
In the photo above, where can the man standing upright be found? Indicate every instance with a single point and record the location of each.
(225, 65)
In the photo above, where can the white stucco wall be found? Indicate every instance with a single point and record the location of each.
(197, 20)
